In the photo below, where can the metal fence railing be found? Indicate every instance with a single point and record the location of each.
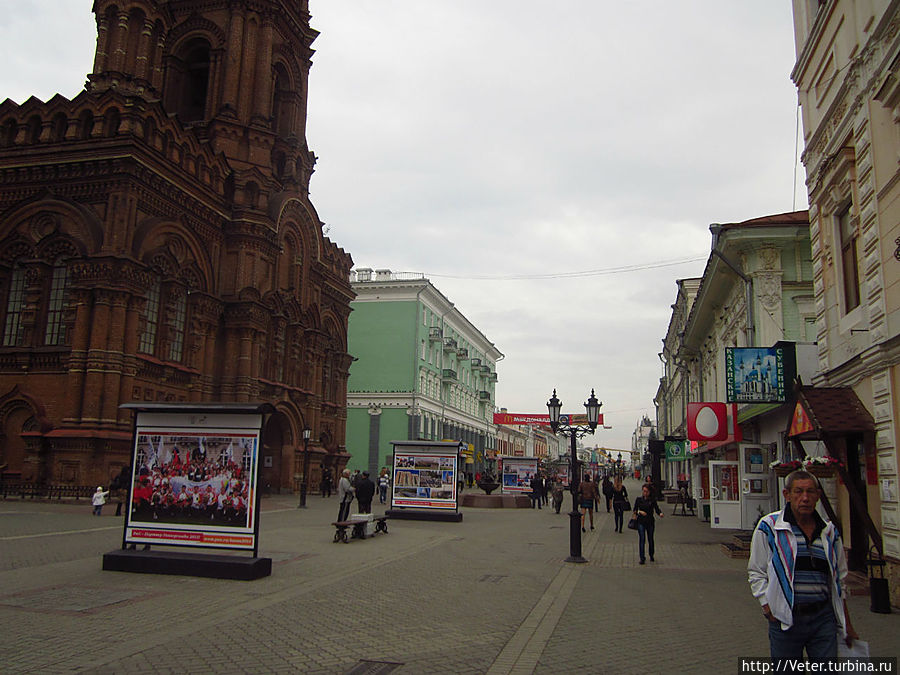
(18, 489)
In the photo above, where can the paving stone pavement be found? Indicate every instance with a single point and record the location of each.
(488, 595)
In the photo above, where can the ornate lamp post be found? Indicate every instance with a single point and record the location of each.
(560, 425)
(303, 486)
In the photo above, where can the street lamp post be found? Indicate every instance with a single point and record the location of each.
(304, 484)
(560, 424)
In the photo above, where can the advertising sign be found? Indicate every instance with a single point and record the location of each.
(675, 451)
(424, 477)
(513, 419)
(516, 473)
(755, 374)
(194, 480)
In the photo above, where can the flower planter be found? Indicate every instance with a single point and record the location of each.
(782, 471)
(820, 470)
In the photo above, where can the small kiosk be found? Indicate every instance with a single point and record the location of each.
(424, 481)
(194, 475)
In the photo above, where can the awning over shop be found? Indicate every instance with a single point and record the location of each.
(828, 410)
(747, 413)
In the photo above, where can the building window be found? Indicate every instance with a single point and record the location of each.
(179, 307)
(12, 330)
(148, 337)
(849, 265)
(56, 329)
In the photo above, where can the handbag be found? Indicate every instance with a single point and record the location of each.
(632, 524)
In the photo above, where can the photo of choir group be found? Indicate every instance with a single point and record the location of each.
(420, 477)
(193, 480)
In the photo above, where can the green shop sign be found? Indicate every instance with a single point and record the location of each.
(676, 451)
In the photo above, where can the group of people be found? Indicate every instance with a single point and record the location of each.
(361, 487)
(797, 568)
(643, 511)
(182, 493)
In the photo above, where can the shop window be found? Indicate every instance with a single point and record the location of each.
(55, 333)
(15, 299)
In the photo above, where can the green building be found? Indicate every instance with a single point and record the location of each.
(422, 371)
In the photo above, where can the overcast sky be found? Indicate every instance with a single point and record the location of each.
(501, 147)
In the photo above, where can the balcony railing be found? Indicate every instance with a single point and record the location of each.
(476, 363)
(462, 353)
(448, 374)
(434, 334)
(449, 344)
(484, 396)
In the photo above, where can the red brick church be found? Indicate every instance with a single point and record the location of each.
(157, 243)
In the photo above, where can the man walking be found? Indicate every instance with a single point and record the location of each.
(797, 571)
(345, 495)
(537, 489)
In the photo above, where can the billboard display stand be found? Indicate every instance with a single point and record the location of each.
(424, 481)
(194, 475)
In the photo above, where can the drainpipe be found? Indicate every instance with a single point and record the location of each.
(414, 431)
(716, 229)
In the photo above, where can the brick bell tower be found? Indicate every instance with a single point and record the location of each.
(235, 71)
(157, 243)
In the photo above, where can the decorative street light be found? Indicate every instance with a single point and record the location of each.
(560, 424)
(306, 433)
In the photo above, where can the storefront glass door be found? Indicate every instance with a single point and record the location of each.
(725, 495)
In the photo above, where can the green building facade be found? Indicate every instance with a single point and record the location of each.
(421, 371)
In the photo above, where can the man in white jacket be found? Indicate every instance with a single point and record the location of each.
(797, 571)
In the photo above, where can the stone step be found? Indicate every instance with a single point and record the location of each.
(734, 551)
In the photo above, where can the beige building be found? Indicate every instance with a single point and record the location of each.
(848, 78)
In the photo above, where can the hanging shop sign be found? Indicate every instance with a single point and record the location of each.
(712, 421)
(756, 374)
(676, 451)
(516, 419)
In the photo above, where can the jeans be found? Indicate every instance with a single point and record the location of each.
(816, 632)
(618, 510)
(646, 531)
(382, 493)
(535, 499)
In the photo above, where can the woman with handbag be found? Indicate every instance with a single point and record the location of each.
(644, 508)
(619, 502)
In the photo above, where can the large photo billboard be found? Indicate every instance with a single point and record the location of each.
(194, 481)
(516, 473)
(424, 479)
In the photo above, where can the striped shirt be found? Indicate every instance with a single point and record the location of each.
(811, 571)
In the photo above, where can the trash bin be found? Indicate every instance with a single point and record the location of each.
(879, 593)
(706, 513)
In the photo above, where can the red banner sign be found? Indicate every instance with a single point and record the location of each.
(514, 419)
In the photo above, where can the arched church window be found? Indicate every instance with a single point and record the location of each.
(60, 125)
(195, 80)
(281, 103)
(85, 125)
(8, 134)
(179, 316)
(55, 333)
(34, 129)
(15, 300)
(151, 320)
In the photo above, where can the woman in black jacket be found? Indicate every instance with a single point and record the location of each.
(619, 502)
(644, 508)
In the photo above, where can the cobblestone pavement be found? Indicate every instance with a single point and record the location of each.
(488, 595)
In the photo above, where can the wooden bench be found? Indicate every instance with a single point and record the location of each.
(357, 529)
